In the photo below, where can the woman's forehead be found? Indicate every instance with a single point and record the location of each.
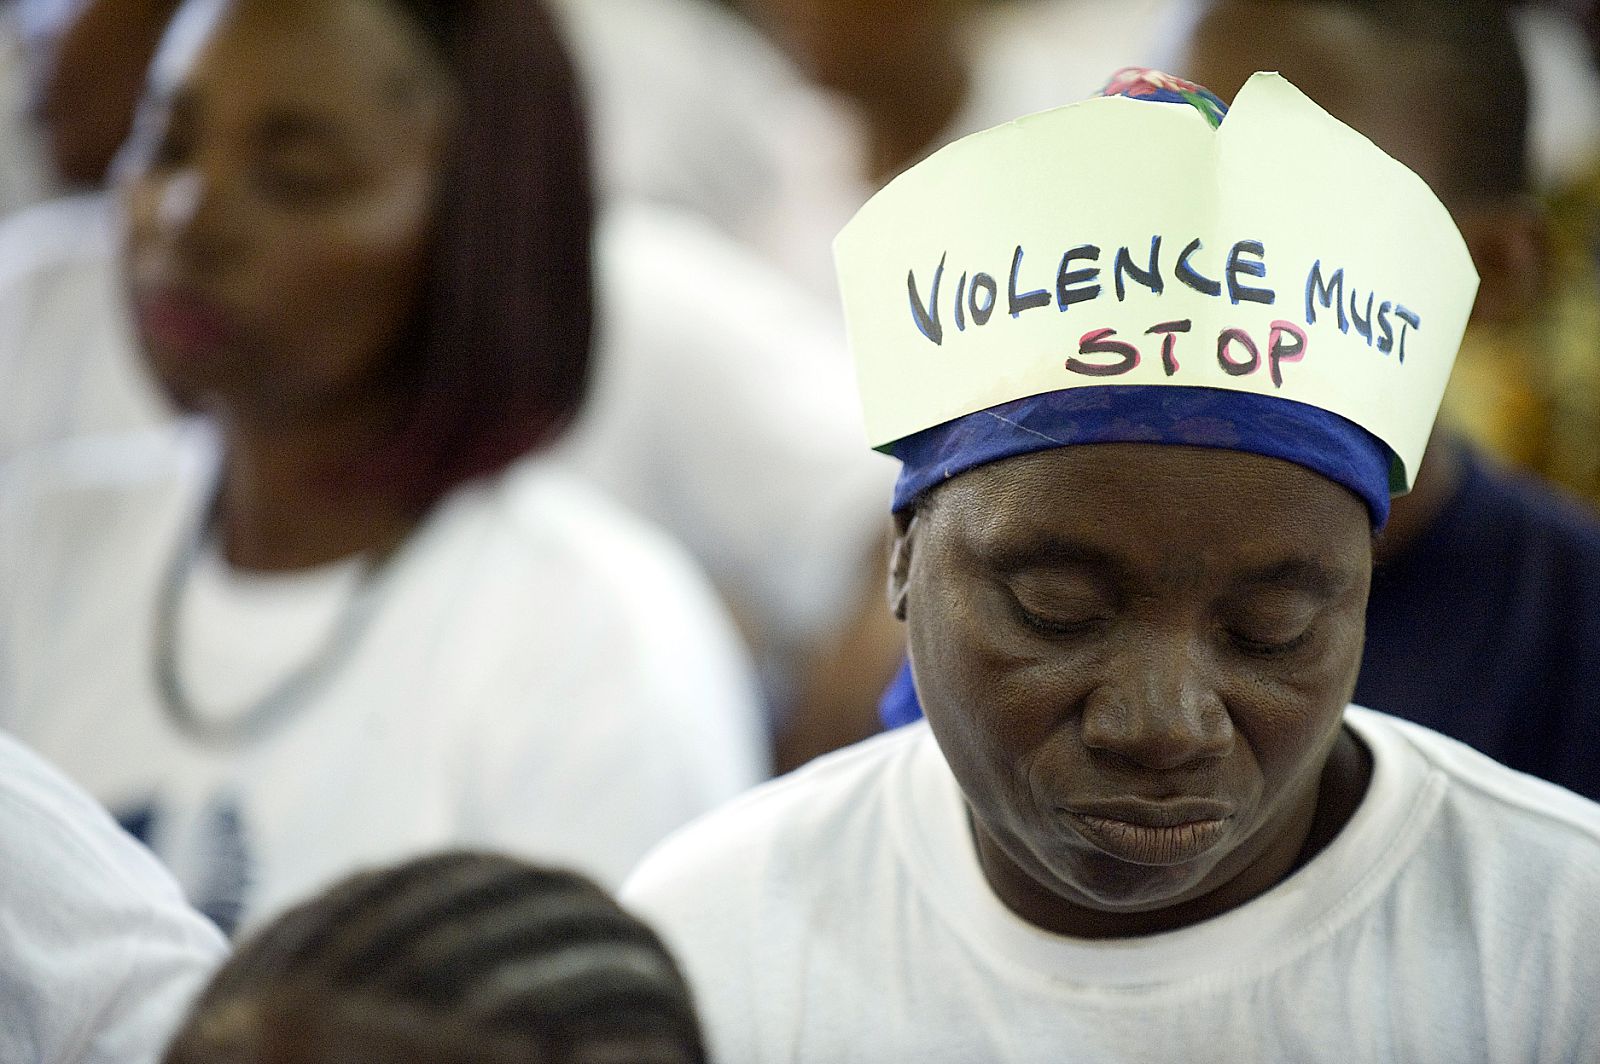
(336, 54)
(1129, 499)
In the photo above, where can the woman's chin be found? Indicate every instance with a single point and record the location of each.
(1104, 883)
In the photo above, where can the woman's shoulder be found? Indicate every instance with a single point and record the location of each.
(833, 812)
(1506, 819)
(101, 932)
(48, 825)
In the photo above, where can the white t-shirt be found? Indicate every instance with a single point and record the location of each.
(99, 953)
(722, 405)
(539, 672)
(839, 915)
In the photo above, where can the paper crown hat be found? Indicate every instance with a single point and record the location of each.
(1112, 242)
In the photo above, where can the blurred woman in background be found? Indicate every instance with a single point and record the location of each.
(460, 958)
(341, 617)
(721, 405)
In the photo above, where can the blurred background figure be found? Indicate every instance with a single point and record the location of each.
(1559, 52)
(348, 613)
(88, 65)
(753, 129)
(905, 77)
(723, 405)
(1562, 41)
(694, 109)
(919, 74)
(1488, 584)
(717, 411)
(459, 958)
(100, 955)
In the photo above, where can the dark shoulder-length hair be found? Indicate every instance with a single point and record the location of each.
(497, 359)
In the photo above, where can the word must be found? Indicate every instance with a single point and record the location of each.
(1330, 293)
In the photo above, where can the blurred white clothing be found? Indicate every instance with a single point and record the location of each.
(24, 178)
(722, 407)
(1564, 96)
(1032, 55)
(841, 916)
(99, 953)
(43, 19)
(689, 105)
(725, 410)
(67, 361)
(539, 673)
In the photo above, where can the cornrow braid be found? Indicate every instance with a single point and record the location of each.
(308, 1025)
(518, 950)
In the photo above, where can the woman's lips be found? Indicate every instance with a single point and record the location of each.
(186, 324)
(1152, 833)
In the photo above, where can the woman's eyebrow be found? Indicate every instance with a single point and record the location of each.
(1044, 551)
(1294, 574)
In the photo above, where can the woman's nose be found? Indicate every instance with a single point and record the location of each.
(192, 218)
(1158, 709)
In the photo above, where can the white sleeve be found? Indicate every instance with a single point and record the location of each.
(99, 953)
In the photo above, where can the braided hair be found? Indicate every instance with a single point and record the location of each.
(508, 950)
(305, 1026)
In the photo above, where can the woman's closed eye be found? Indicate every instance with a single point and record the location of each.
(1059, 608)
(292, 183)
(1271, 625)
(1270, 648)
(303, 175)
(303, 158)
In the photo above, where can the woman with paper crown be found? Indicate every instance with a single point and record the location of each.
(1150, 419)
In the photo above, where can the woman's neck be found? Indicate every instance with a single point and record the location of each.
(285, 500)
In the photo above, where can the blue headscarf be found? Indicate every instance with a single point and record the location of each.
(1308, 436)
